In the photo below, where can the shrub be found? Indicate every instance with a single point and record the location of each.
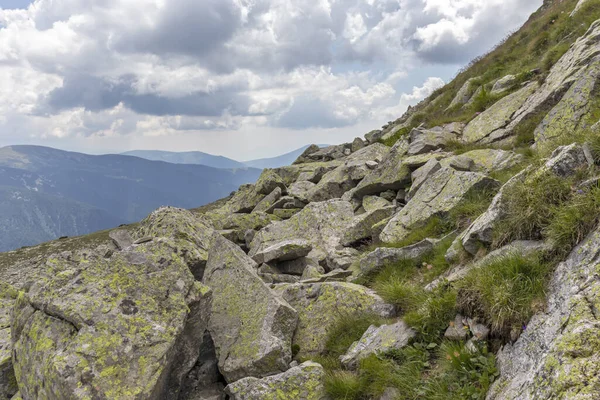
(505, 291)
(344, 385)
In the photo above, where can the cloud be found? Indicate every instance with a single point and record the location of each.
(148, 68)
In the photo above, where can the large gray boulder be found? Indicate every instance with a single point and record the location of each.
(557, 355)
(391, 173)
(383, 256)
(377, 340)
(321, 224)
(268, 181)
(302, 382)
(345, 177)
(286, 250)
(316, 302)
(488, 160)
(267, 204)
(427, 140)
(420, 176)
(362, 225)
(303, 158)
(503, 84)
(445, 190)
(8, 383)
(488, 126)
(465, 93)
(243, 201)
(372, 203)
(190, 233)
(251, 326)
(302, 190)
(128, 326)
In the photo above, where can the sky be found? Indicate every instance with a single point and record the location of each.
(241, 78)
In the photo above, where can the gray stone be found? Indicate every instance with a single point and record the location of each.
(458, 329)
(315, 302)
(243, 201)
(557, 355)
(312, 271)
(479, 331)
(389, 174)
(110, 328)
(488, 160)
(301, 190)
(460, 163)
(427, 140)
(267, 204)
(283, 251)
(358, 144)
(374, 136)
(567, 160)
(420, 176)
(503, 84)
(361, 226)
(342, 258)
(390, 394)
(377, 340)
(372, 203)
(321, 224)
(285, 213)
(121, 238)
(389, 195)
(8, 386)
(295, 267)
(337, 275)
(302, 382)
(445, 190)
(303, 158)
(465, 93)
(249, 236)
(268, 181)
(383, 256)
(371, 164)
(251, 326)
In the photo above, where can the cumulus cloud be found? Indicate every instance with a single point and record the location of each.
(149, 68)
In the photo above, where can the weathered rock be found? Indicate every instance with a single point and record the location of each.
(190, 233)
(458, 329)
(267, 204)
(302, 382)
(345, 177)
(427, 140)
(377, 340)
(321, 224)
(268, 181)
(121, 238)
(389, 195)
(415, 162)
(374, 136)
(358, 144)
(420, 176)
(312, 271)
(202, 382)
(465, 93)
(567, 160)
(126, 327)
(283, 251)
(444, 191)
(285, 213)
(212, 392)
(383, 256)
(372, 203)
(503, 84)
(315, 302)
(243, 201)
(479, 331)
(297, 266)
(488, 160)
(361, 226)
(371, 164)
(342, 258)
(337, 275)
(8, 383)
(459, 163)
(312, 171)
(390, 394)
(389, 174)
(557, 355)
(301, 190)
(251, 326)
(257, 220)
(303, 158)
(329, 153)
(497, 117)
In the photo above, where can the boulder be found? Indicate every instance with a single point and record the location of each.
(304, 381)
(312, 171)
(301, 190)
(358, 144)
(267, 204)
(296, 267)
(284, 251)
(337, 275)
(427, 140)
(285, 202)
(567, 160)
(203, 381)
(268, 181)
(315, 303)
(488, 160)
(243, 222)
(321, 224)
(458, 329)
(8, 383)
(557, 354)
(459, 163)
(361, 226)
(497, 117)
(465, 93)
(415, 162)
(389, 174)
(250, 325)
(342, 258)
(243, 201)
(121, 238)
(312, 271)
(503, 84)
(372, 203)
(123, 327)
(377, 340)
(345, 177)
(285, 213)
(329, 153)
(421, 175)
(444, 190)
(374, 136)
(383, 256)
(303, 158)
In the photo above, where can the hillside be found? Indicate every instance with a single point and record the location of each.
(279, 161)
(50, 193)
(452, 254)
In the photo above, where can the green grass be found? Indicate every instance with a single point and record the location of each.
(401, 133)
(433, 314)
(507, 291)
(347, 330)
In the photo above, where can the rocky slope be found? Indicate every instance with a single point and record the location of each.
(450, 261)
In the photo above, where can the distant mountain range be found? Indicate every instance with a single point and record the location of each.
(47, 193)
(198, 157)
